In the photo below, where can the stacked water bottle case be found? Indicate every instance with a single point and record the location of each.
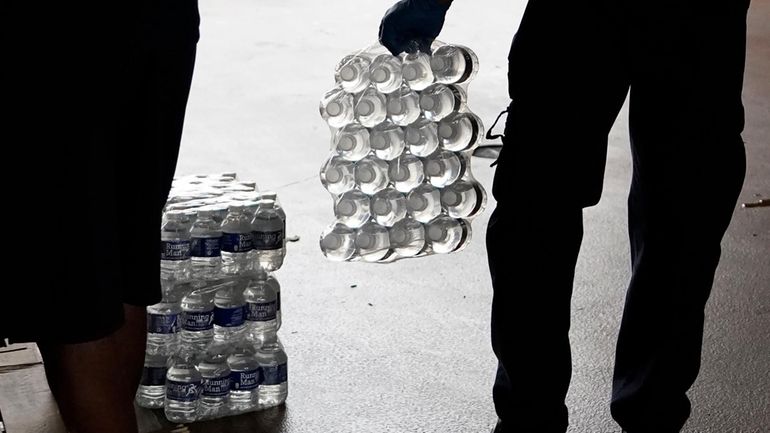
(212, 346)
(399, 170)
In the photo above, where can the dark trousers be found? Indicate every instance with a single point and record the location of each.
(571, 67)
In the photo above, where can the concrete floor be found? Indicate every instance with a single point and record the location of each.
(405, 347)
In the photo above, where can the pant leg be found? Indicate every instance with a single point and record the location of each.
(689, 165)
(568, 81)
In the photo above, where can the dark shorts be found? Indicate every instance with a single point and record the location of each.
(99, 103)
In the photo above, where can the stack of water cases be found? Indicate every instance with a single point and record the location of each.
(212, 346)
(399, 170)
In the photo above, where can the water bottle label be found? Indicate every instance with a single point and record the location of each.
(206, 247)
(237, 242)
(153, 376)
(216, 387)
(275, 375)
(268, 240)
(182, 391)
(174, 250)
(228, 317)
(161, 323)
(197, 320)
(245, 380)
(261, 312)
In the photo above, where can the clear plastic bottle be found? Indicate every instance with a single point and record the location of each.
(370, 107)
(373, 242)
(337, 108)
(416, 70)
(183, 389)
(352, 73)
(175, 246)
(272, 281)
(387, 141)
(454, 64)
(337, 175)
(215, 384)
(440, 100)
(267, 230)
(229, 312)
(403, 106)
(275, 381)
(463, 199)
(236, 241)
(261, 305)
(338, 242)
(422, 137)
(245, 377)
(444, 167)
(206, 245)
(352, 142)
(406, 172)
(385, 73)
(446, 234)
(388, 207)
(460, 131)
(424, 203)
(353, 209)
(152, 387)
(371, 175)
(407, 237)
(197, 320)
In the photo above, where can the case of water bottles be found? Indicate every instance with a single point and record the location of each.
(212, 345)
(399, 170)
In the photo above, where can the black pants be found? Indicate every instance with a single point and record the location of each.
(571, 66)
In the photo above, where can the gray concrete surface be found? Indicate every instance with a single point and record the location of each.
(404, 347)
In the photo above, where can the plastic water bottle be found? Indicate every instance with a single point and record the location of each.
(446, 234)
(272, 281)
(353, 209)
(272, 195)
(352, 142)
(245, 377)
(152, 387)
(416, 71)
(422, 137)
(440, 100)
(370, 107)
(387, 141)
(385, 73)
(229, 312)
(371, 175)
(337, 175)
(236, 241)
(206, 245)
(337, 108)
(406, 172)
(403, 106)
(463, 199)
(267, 231)
(197, 320)
(454, 64)
(338, 243)
(407, 237)
(215, 384)
(183, 389)
(352, 73)
(175, 246)
(460, 131)
(424, 203)
(275, 381)
(443, 168)
(388, 207)
(162, 326)
(372, 242)
(261, 304)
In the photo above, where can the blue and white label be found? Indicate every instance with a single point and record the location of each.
(216, 387)
(229, 317)
(261, 311)
(153, 376)
(161, 323)
(245, 380)
(268, 240)
(206, 247)
(196, 321)
(275, 375)
(237, 242)
(182, 391)
(174, 250)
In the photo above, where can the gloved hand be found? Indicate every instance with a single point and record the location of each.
(412, 25)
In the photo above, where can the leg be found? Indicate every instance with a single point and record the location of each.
(689, 164)
(565, 67)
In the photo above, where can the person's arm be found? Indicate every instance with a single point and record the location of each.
(413, 25)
